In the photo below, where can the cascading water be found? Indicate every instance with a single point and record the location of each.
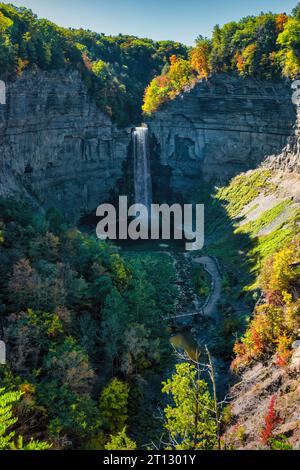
(142, 172)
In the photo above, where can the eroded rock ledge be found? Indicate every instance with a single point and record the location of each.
(222, 127)
(288, 160)
(61, 150)
(56, 145)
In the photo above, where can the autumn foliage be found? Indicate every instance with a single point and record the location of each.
(275, 324)
(166, 87)
(281, 20)
(266, 47)
(271, 421)
(200, 58)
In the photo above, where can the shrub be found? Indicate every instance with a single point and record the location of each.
(271, 421)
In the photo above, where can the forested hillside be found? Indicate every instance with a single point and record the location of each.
(84, 329)
(266, 46)
(89, 325)
(87, 333)
(115, 69)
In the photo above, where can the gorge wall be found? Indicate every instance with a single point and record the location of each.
(288, 160)
(220, 128)
(56, 146)
(60, 149)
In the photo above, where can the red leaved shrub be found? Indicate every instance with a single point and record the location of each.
(271, 421)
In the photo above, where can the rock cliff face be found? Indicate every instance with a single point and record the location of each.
(57, 146)
(288, 160)
(220, 128)
(251, 399)
(61, 150)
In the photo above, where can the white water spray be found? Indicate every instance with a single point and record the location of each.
(142, 172)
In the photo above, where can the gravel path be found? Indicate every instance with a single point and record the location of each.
(210, 265)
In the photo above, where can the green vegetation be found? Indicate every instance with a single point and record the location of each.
(121, 442)
(87, 343)
(7, 419)
(243, 242)
(86, 326)
(276, 323)
(258, 255)
(262, 222)
(243, 189)
(266, 46)
(190, 420)
(202, 281)
(115, 69)
(84, 329)
(243, 249)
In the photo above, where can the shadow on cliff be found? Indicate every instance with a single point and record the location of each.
(232, 251)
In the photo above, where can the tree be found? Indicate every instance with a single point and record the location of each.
(246, 61)
(271, 421)
(296, 11)
(121, 442)
(211, 372)
(200, 57)
(5, 23)
(290, 37)
(222, 46)
(29, 334)
(140, 350)
(113, 406)
(102, 71)
(7, 419)
(179, 76)
(114, 318)
(280, 21)
(115, 69)
(289, 40)
(45, 247)
(22, 285)
(275, 324)
(156, 94)
(278, 276)
(68, 364)
(120, 274)
(190, 418)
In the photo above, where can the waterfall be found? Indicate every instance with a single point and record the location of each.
(142, 172)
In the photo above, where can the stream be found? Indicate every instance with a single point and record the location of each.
(194, 318)
(189, 310)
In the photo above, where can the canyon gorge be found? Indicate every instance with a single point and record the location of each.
(60, 150)
(101, 335)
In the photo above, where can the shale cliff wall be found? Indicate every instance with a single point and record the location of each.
(56, 146)
(288, 160)
(220, 128)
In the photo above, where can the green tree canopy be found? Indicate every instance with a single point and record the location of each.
(189, 418)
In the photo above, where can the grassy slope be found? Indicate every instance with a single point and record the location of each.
(238, 214)
(240, 251)
(238, 245)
